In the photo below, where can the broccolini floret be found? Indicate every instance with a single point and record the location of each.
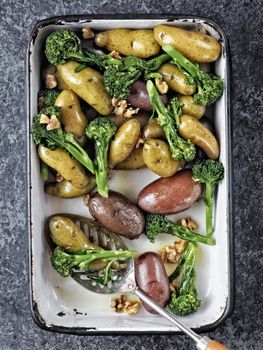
(185, 301)
(59, 138)
(156, 224)
(168, 119)
(64, 262)
(209, 87)
(209, 172)
(101, 131)
(64, 44)
(48, 97)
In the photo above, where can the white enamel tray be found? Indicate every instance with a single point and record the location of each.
(63, 305)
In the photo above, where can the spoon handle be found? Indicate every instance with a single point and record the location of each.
(202, 343)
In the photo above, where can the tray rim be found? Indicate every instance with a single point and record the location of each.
(231, 276)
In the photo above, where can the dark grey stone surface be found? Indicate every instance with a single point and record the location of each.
(242, 22)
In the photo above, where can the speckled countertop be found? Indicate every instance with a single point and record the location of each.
(242, 22)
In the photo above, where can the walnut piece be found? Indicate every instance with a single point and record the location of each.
(87, 33)
(169, 254)
(161, 85)
(180, 246)
(120, 106)
(189, 223)
(130, 112)
(122, 304)
(50, 81)
(59, 178)
(54, 123)
(44, 119)
(115, 54)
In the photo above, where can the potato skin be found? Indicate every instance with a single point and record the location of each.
(192, 129)
(195, 46)
(190, 107)
(152, 130)
(118, 214)
(66, 166)
(124, 141)
(88, 85)
(151, 278)
(139, 43)
(176, 80)
(72, 117)
(134, 160)
(170, 195)
(158, 158)
(65, 189)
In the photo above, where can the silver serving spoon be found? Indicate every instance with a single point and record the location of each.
(125, 280)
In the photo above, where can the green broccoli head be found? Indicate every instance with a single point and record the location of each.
(156, 224)
(48, 97)
(184, 304)
(60, 44)
(62, 262)
(174, 109)
(210, 90)
(208, 171)
(101, 129)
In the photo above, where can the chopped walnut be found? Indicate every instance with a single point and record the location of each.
(59, 178)
(53, 124)
(169, 254)
(44, 119)
(120, 106)
(189, 223)
(87, 33)
(161, 85)
(174, 286)
(180, 246)
(139, 142)
(122, 304)
(115, 54)
(50, 81)
(130, 112)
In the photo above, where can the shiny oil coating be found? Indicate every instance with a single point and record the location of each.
(170, 195)
(65, 189)
(66, 166)
(191, 129)
(176, 80)
(72, 117)
(118, 214)
(158, 158)
(195, 46)
(139, 43)
(190, 107)
(133, 161)
(152, 279)
(124, 141)
(88, 85)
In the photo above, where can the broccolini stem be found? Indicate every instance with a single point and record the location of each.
(156, 63)
(183, 233)
(190, 260)
(209, 201)
(105, 255)
(101, 171)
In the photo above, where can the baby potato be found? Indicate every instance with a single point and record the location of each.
(158, 158)
(65, 189)
(139, 43)
(152, 130)
(124, 141)
(66, 166)
(195, 46)
(191, 129)
(133, 161)
(176, 80)
(190, 107)
(72, 117)
(87, 84)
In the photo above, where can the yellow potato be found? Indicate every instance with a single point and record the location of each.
(190, 107)
(195, 46)
(66, 166)
(191, 129)
(139, 43)
(176, 80)
(158, 158)
(72, 117)
(65, 189)
(133, 161)
(87, 84)
(124, 141)
(152, 130)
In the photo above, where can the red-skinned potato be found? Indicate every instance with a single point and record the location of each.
(151, 278)
(170, 195)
